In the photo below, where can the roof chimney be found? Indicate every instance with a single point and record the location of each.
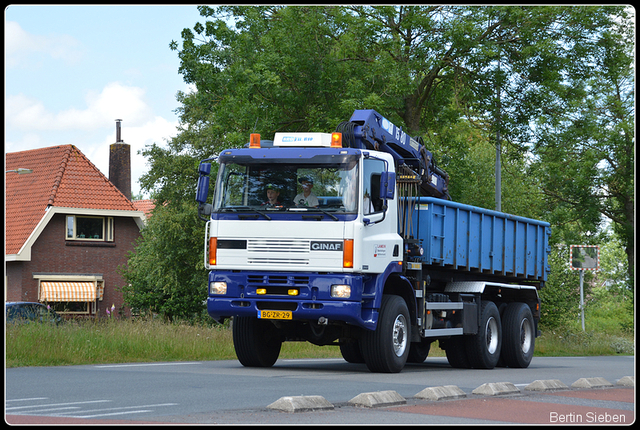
(120, 163)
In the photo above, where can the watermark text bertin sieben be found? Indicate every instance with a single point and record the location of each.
(587, 418)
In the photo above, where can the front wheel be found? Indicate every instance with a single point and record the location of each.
(518, 335)
(256, 342)
(387, 347)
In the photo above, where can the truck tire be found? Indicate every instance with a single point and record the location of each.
(518, 335)
(256, 342)
(386, 348)
(419, 351)
(483, 348)
(456, 350)
(350, 350)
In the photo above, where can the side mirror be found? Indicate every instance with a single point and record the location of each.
(387, 185)
(202, 191)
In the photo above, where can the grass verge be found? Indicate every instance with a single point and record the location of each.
(140, 340)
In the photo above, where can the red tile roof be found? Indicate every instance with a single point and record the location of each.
(62, 177)
(146, 206)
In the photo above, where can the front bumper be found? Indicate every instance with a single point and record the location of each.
(311, 302)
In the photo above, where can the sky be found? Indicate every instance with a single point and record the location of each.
(71, 71)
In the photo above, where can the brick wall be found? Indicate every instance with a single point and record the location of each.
(51, 253)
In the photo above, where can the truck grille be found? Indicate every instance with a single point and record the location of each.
(278, 251)
(278, 245)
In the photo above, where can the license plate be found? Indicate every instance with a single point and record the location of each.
(275, 315)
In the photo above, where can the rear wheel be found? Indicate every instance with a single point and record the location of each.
(483, 348)
(456, 350)
(350, 350)
(518, 335)
(419, 351)
(257, 342)
(387, 347)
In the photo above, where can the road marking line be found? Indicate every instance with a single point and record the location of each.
(145, 364)
(57, 404)
(37, 411)
(114, 413)
(26, 400)
(123, 407)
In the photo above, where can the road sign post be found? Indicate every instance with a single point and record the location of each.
(584, 257)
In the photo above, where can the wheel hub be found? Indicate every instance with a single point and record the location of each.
(400, 335)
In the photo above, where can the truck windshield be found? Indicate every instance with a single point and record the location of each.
(280, 186)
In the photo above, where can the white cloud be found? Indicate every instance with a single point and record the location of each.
(21, 47)
(114, 101)
(32, 125)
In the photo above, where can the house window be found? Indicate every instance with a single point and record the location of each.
(89, 228)
(71, 295)
(73, 308)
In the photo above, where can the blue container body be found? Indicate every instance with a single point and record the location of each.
(472, 239)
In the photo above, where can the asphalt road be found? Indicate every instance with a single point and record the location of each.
(225, 392)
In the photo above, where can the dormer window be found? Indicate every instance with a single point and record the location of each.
(91, 228)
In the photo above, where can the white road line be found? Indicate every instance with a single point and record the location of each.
(124, 407)
(57, 404)
(145, 364)
(26, 400)
(38, 411)
(114, 413)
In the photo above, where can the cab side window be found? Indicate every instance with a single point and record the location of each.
(371, 200)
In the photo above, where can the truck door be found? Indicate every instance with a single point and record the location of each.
(380, 231)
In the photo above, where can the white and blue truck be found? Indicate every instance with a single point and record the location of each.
(382, 263)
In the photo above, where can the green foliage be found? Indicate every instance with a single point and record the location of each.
(165, 274)
(561, 295)
(556, 83)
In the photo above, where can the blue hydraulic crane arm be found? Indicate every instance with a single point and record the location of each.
(367, 129)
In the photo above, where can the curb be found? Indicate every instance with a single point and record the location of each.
(441, 393)
(378, 399)
(301, 404)
(496, 388)
(447, 392)
(627, 381)
(597, 382)
(546, 385)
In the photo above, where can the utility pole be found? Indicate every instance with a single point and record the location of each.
(498, 143)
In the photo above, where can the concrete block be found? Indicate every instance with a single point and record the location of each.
(627, 381)
(378, 399)
(597, 382)
(301, 404)
(496, 388)
(546, 385)
(441, 393)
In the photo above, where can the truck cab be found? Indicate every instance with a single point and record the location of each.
(295, 260)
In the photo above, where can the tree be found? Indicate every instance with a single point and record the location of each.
(585, 142)
(165, 273)
(433, 70)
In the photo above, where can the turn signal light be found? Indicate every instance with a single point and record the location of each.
(213, 250)
(347, 254)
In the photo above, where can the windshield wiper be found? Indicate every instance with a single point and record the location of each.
(247, 208)
(335, 218)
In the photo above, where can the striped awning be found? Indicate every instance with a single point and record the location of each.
(67, 291)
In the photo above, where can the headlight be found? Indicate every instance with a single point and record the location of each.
(341, 291)
(218, 288)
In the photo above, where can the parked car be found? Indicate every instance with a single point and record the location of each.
(30, 311)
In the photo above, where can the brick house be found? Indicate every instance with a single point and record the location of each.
(68, 228)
